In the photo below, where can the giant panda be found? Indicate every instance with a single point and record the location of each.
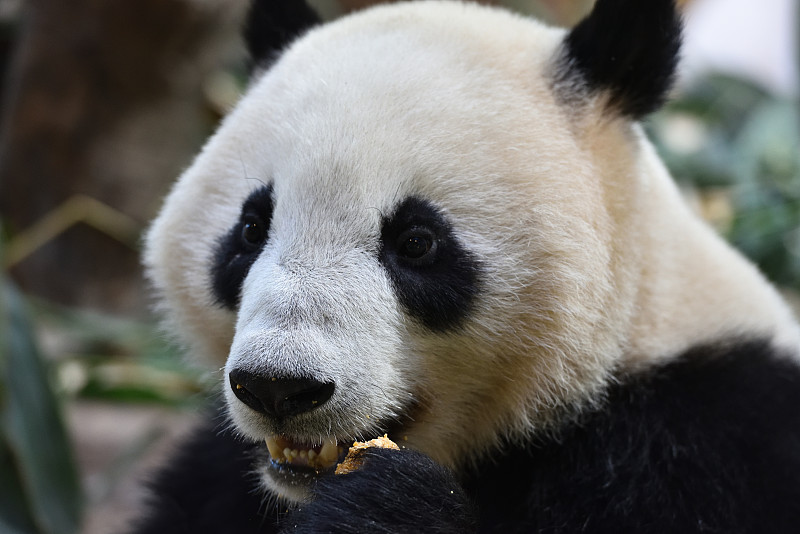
(442, 222)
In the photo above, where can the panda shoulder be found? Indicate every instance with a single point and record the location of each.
(208, 484)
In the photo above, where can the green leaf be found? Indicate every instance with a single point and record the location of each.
(39, 484)
(14, 514)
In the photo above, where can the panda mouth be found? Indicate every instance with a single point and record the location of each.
(289, 457)
(285, 452)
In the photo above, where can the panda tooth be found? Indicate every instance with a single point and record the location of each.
(329, 453)
(321, 458)
(274, 449)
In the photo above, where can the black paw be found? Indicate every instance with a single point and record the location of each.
(392, 492)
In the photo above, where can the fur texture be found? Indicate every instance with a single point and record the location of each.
(209, 486)
(240, 247)
(628, 53)
(438, 286)
(459, 233)
(706, 443)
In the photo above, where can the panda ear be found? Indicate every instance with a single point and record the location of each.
(273, 24)
(627, 49)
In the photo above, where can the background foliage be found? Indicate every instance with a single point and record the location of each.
(738, 148)
(38, 479)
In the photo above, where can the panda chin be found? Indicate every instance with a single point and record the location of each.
(290, 468)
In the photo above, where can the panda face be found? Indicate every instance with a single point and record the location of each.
(377, 287)
(324, 346)
(390, 243)
(421, 221)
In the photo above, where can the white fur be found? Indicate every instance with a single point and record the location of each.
(593, 262)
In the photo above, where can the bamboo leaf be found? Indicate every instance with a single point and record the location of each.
(14, 514)
(41, 484)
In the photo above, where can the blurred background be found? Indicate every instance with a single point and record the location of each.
(105, 101)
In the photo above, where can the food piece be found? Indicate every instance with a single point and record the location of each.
(354, 458)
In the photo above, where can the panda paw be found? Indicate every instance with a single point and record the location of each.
(392, 492)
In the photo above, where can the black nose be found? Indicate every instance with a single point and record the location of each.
(279, 397)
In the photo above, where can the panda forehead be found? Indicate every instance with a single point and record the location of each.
(313, 209)
(346, 131)
(368, 77)
(340, 201)
(417, 36)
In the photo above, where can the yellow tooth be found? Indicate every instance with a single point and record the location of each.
(329, 453)
(287, 453)
(274, 449)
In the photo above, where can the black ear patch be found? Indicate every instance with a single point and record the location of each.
(240, 247)
(434, 276)
(273, 24)
(629, 48)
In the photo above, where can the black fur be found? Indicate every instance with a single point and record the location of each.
(273, 24)
(234, 255)
(709, 443)
(401, 492)
(439, 287)
(209, 487)
(629, 49)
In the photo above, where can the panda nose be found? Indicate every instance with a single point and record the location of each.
(279, 397)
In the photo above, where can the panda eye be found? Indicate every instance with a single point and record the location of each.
(435, 278)
(253, 231)
(239, 248)
(416, 245)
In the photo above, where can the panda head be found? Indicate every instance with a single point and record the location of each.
(441, 221)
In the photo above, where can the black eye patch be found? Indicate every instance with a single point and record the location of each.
(238, 249)
(435, 278)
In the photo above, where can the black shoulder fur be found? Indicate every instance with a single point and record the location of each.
(209, 486)
(709, 443)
